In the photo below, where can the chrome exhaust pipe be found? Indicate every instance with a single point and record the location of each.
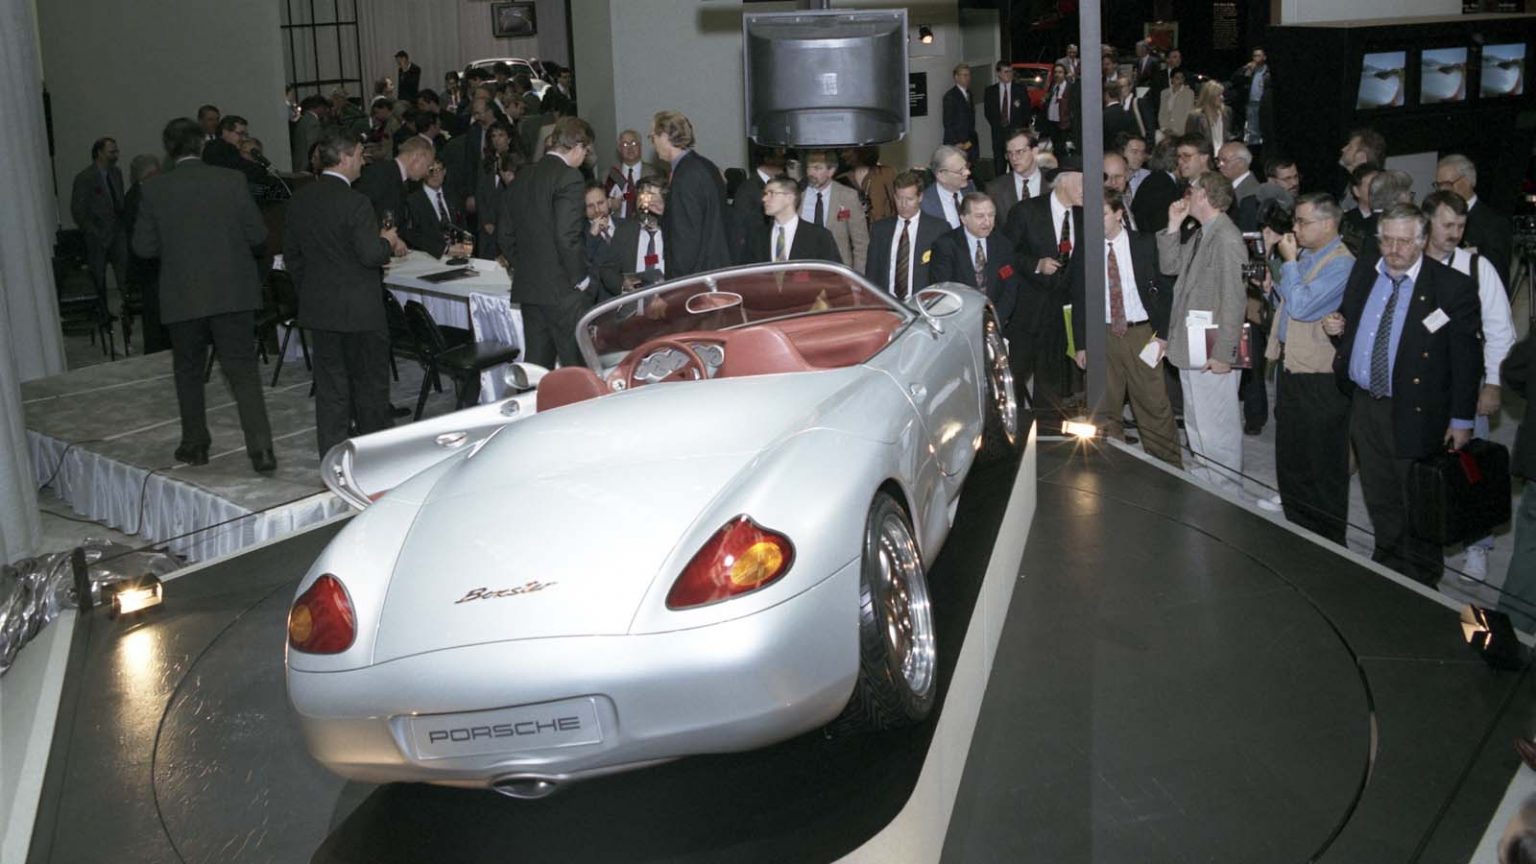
(526, 787)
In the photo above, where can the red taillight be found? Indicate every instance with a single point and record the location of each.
(742, 556)
(321, 620)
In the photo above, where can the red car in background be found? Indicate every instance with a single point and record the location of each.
(1036, 80)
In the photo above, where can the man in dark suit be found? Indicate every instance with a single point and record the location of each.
(1137, 300)
(1149, 206)
(202, 224)
(96, 203)
(1047, 242)
(747, 216)
(1488, 231)
(952, 180)
(387, 183)
(899, 247)
(1123, 114)
(224, 151)
(637, 254)
(408, 75)
(464, 155)
(1007, 108)
(431, 217)
(975, 255)
(787, 237)
(1411, 358)
(335, 253)
(695, 219)
(540, 232)
(1023, 180)
(960, 115)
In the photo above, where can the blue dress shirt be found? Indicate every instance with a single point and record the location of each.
(1310, 301)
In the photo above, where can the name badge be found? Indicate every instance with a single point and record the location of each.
(1435, 320)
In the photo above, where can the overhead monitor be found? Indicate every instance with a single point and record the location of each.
(1503, 70)
(826, 79)
(1382, 76)
(1443, 75)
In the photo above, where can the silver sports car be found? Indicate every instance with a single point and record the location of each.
(709, 538)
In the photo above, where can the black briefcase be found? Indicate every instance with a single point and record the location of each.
(1459, 496)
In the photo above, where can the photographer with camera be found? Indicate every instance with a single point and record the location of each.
(1311, 414)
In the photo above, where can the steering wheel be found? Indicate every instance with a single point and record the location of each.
(691, 357)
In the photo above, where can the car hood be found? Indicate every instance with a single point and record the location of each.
(558, 526)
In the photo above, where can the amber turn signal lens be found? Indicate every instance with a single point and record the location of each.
(742, 556)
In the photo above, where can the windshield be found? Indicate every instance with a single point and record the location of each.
(767, 292)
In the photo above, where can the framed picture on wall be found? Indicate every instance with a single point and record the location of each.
(513, 20)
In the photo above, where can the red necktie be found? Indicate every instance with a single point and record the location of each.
(1064, 248)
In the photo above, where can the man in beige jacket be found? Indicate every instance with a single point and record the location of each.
(836, 208)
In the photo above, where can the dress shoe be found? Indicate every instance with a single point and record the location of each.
(192, 455)
(264, 461)
(400, 411)
(1527, 750)
(1253, 429)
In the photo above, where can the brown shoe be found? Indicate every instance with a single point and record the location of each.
(1527, 750)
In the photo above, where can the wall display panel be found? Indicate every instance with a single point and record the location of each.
(1503, 70)
(1383, 80)
(1443, 75)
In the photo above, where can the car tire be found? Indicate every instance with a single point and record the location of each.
(1000, 414)
(898, 656)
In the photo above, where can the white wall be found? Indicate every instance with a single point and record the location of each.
(687, 56)
(124, 69)
(1317, 11)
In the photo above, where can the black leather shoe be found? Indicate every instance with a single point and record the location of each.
(192, 455)
(264, 461)
(1253, 429)
(400, 411)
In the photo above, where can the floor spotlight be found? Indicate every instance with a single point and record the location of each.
(1491, 634)
(1079, 429)
(925, 34)
(137, 595)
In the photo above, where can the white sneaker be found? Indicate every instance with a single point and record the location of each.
(1475, 568)
(1272, 504)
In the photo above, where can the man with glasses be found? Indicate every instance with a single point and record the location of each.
(788, 236)
(1411, 361)
(1208, 296)
(1311, 415)
(1024, 179)
(952, 176)
(1488, 231)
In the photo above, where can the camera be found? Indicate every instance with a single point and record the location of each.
(1277, 217)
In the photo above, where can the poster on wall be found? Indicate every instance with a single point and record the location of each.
(917, 94)
(1503, 70)
(513, 20)
(1443, 75)
(1224, 26)
(1164, 35)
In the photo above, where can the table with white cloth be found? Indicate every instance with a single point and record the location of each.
(480, 304)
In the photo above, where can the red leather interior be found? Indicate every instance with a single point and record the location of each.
(566, 385)
(761, 350)
(831, 341)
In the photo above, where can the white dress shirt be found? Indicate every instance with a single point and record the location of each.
(1498, 320)
(808, 205)
(661, 252)
(947, 199)
(788, 229)
(1120, 247)
(1033, 181)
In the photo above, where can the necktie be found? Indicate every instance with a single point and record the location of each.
(629, 192)
(1005, 105)
(903, 257)
(442, 211)
(820, 217)
(981, 267)
(1381, 383)
(956, 196)
(778, 243)
(1064, 248)
(1116, 299)
(650, 243)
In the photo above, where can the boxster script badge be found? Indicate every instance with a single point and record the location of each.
(492, 594)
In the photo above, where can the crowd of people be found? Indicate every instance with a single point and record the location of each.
(1387, 320)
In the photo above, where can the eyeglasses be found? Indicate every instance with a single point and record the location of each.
(779, 192)
(1397, 242)
(953, 170)
(1445, 184)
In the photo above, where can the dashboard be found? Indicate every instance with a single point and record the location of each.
(657, 365)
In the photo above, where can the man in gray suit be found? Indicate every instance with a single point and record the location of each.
(96, 203)
(540, 233)
(1208, 295)
(202, 224)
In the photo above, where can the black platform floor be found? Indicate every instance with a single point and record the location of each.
(1178, 680)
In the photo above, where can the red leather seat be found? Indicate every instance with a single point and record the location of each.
(566, 385)
(761, 350)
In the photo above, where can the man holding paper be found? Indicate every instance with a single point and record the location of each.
(1209, 295)
(1136, 315)
(1311, 415)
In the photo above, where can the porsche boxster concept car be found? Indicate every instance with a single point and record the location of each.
(709, 538)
